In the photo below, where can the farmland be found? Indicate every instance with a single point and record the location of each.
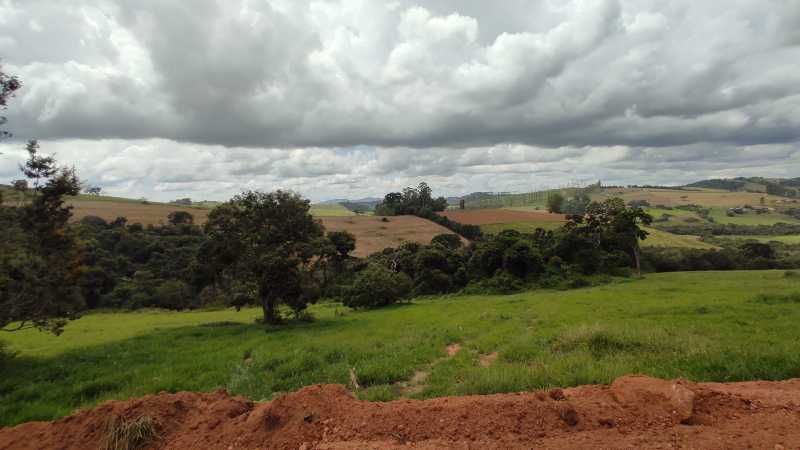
(373, 234)
(677, 197)
(154, 213)
(689, 325)
(500, 215)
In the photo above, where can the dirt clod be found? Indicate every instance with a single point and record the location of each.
(633, 412)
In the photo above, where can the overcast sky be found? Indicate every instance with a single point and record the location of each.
(352, 98)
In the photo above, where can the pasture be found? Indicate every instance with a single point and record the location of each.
(659, 238)
(721, 326)
(676, 197)
(501, 215)
(150, 213)
(373, 234)
(719, 215)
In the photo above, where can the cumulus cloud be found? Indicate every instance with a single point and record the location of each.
(212, 96)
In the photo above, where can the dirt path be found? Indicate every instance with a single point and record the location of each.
(634, 412)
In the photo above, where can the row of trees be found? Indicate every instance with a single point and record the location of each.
(419, 202)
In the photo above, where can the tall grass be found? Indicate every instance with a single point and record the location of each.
(702, 326)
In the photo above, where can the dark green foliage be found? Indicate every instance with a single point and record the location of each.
(343, 242)
(412, 201)
(180, 218)
(778, 229)
(576, 205)
(377, 286)
(266, 239)
(40, 265)
(555, 202)
(447, 241)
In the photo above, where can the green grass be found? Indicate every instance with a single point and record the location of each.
(678, 215)
(522, 227)
(659, 238)
(330, 210)
(701, 326)
(720, 216)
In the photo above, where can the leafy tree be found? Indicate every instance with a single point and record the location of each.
(180, 218)
(377, 286)
(448, 241)
(576, 205)
(343, 242)
(40, 265)
(263, 239)
(554, 202)
(618, 227)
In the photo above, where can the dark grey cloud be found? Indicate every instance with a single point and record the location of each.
(211, 96)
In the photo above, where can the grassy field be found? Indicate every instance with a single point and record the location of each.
(330, 210)
(522, 227)
(674, 197)
(658, 238)
(720, 216)
(702, 326)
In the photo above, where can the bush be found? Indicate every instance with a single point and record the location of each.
(377, 286)
(173, 294)
(502, 283)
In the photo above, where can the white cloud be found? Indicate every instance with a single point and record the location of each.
(210, 96)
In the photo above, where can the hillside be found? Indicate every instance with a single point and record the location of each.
(373, 234)
(787, 187)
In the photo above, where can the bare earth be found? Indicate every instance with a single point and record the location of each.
(635, 412)
(498, 215)
(373, 235)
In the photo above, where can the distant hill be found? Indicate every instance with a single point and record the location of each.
(786, 187)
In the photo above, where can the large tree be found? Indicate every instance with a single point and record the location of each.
(618, 227)
(40, 264)
(265, 240)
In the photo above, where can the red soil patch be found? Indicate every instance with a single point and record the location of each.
(634, 412)
(490, 216)
(373, 235)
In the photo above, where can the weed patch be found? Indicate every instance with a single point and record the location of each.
(123, 434)
(777, 299)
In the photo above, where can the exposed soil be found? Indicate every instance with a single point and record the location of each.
(498, 215)
(488, 359)
(634, 412)
(373, 235)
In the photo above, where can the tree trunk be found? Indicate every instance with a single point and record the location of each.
(638, 262)
(270, 312)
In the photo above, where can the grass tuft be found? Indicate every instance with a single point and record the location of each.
(777, 299)
(129, 434)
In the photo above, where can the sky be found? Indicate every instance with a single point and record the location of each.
(353, 98)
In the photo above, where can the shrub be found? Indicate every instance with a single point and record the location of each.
(173, 294)
(377, 286)
(448, 241)
(502, 283)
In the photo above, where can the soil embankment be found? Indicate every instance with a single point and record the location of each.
(633, 412)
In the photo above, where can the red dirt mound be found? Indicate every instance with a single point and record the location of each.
(634, 412)
(491, 216)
